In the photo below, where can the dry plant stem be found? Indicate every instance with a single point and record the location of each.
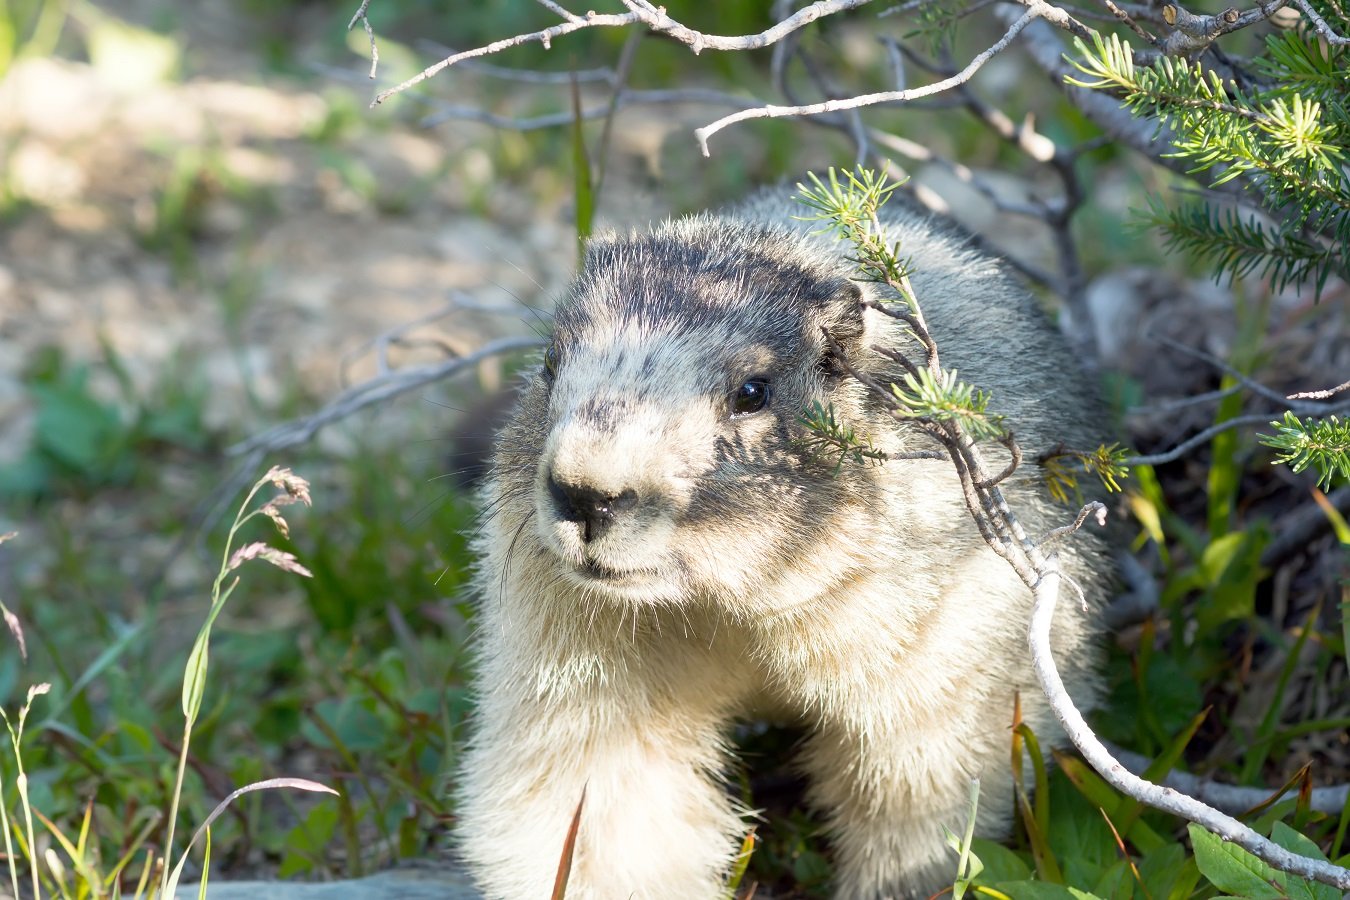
(525, 76)
(1326, 31)
(1191, 443)
(1192, 34)
(1129, 21)
(1094, 508)
(376, 390)
(1232, 798)
(1015, 452)
(1046, 590)
(370, 33)
(639, 12)
(1321, 395)
(1036, 9)
(1245, 380)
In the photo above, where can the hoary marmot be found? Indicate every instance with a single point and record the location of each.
(662, 555)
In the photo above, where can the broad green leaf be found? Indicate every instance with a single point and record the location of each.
(1230, 868)
(1162, 871)
(1000, 863)
(1301, 888)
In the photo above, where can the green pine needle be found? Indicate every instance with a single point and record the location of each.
(1322, 444)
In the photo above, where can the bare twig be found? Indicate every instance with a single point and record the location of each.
(1015, 460)
(1169, 406)
(1191, 35)
(639, 12)
(1245, 380)
(1164, 798)
(1320, 395)
(1096, 509)
(370, 33)
(1037, 9)
(1129, 21)
(1186, 446)
(1232, 798)
(1319, 23)
(368, 393)
(524, 76)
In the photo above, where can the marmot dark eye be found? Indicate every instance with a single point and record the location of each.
(551, 359)
(750, 397)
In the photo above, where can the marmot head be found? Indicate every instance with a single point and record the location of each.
(659, 445)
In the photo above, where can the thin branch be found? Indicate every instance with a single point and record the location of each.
(639, 12)
(1247, 381)
(523, 76)
(1232, 798)
(1159, 797)
(1096, 509)
(1320, 24)
(1203, 437)
(368, 393)
(1015, 451)
(1037, 9)
(1320, 395)
(1192, 34)
(1170, 406)
(1129, 21)
(370, 33)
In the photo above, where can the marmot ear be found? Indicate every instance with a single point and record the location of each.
(842, 316)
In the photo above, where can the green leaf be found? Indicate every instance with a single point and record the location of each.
(1000, 863)
(194, 676)
(1301, 888)
(74, 428)
(1165, 869)
(1230, 868)
(1231, 570)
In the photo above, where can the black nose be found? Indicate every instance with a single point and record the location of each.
(594, 510)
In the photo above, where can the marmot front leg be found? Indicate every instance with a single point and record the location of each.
(887, 795)
(657, 823)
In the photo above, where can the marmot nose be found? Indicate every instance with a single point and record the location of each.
(594, 510)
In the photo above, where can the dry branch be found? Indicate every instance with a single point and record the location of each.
(639, 12)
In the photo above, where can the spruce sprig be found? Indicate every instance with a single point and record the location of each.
(1287, 140)
(1107, 463)
(832, 439)
(850, 209)
(946, 398)
(1322, 444)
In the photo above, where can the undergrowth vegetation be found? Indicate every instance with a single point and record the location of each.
(355, 677)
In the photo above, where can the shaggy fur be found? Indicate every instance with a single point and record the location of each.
(656, 566)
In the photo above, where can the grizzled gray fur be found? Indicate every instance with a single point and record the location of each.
(661, 557)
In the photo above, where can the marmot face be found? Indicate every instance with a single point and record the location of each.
(669, 457)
